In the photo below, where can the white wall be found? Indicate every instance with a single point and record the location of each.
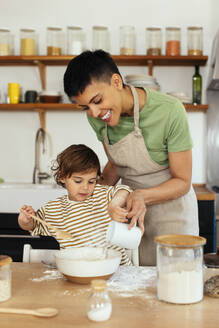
(18, 129)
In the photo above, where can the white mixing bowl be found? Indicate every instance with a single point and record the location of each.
(82, 264)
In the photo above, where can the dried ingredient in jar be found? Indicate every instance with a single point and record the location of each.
(173, 48)
(27, 47)
(211, 287)
(102, 313)
(127, 51)
(4, 49)
(54, 51)
(194, 52)
(154, 52)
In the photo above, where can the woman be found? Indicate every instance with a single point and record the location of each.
(146, 138)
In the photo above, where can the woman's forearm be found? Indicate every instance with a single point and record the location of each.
(169, 190)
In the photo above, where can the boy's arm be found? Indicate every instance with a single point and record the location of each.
(115, 207)
(24, 220)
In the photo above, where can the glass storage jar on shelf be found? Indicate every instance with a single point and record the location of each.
(154, 41)
(55, 41)
(5, 49)
(28, 42)
(180, 268)
(173, 41)
(75, 40)
(127, 40)
(100, 38)
(5, 277)
(195, 40)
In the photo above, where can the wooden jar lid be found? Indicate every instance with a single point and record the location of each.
(5, 259)
(180, 240)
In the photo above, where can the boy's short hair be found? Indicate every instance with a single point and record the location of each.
(75, 158)
(95, 65)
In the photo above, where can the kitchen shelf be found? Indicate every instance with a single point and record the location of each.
(74, 107)
(121, 60)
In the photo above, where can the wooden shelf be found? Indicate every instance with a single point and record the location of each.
(128, 60)
(74, 107)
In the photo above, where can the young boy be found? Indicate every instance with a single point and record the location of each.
(86, 210)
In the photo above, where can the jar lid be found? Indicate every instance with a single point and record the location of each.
(5, 259)
(4, 30)
(173, 28)
(54, 29)
(194, 28)
(180, 240)
(74, 28)
(153, 28)
(100, 28)
(212, 259)
(29, 30)
(98, 284)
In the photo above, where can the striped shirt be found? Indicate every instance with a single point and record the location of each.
(86, 220)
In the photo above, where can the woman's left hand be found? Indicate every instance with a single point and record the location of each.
(136, 208)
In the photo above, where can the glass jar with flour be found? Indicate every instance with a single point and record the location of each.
(99, 307)
(180, 268)
(5, 277)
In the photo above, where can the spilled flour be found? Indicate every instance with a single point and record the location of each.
(49, 275)
(132, 281)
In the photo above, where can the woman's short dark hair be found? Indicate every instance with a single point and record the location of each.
(75, 158)
(95, 65)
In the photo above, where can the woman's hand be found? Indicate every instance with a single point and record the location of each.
(25, 220)
(136, 208)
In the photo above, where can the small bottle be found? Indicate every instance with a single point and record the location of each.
(154, 41)
(195, 40)
(100, 38)
(127, 40)
(5, 277)
(173, 37)
(99, 307)
(196, 86)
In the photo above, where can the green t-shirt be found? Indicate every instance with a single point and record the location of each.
(163, 123)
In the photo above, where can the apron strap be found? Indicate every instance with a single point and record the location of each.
(136, 110)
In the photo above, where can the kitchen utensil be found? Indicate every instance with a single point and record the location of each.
(41, 312)
(50, 97)
(60, 233)
(212, 259)
(119, 234)
(83, 264)
(30, 96)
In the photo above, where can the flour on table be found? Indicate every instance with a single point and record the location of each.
(49, 275)
(132, 281)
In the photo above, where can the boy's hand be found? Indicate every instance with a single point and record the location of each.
(117, 213)
(24, 218)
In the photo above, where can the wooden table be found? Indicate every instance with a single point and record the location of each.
(70, 299)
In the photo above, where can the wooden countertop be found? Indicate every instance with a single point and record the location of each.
(202, 193)
(71, 299)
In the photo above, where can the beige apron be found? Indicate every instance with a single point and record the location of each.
(139, 171)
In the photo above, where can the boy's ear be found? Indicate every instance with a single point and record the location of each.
(116, 81)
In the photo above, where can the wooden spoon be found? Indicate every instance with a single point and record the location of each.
(60, 233)
(42, 312)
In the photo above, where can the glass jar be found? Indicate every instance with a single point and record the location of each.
(5, 277)
(154, 41)
(55, 41)
(75, 40)
(180, 268)
(127, 40)
(173, 41)
(4, 42)
(100, 38)
(28, 42)
(195, 40)
(99, 306)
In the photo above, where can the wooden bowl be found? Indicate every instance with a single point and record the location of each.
(50, 97)
(83, 264)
